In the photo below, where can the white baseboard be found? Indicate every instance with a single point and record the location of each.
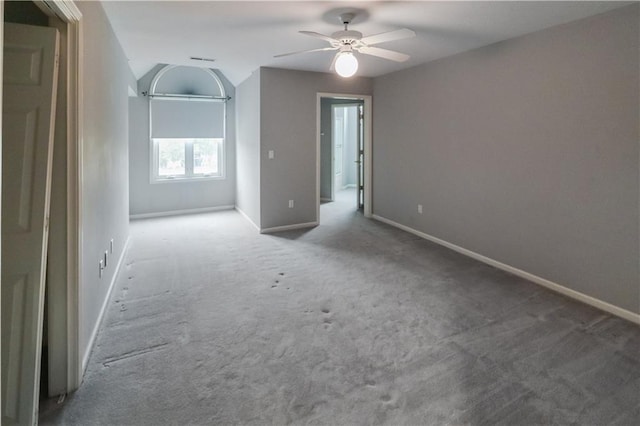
(288, 227)
(179, 212)
(350, 185)
(597, 303)
(103, 309)
(243, 214)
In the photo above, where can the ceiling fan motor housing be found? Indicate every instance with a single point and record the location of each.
(347, 37)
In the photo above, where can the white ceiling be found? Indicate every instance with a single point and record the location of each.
(242, 36)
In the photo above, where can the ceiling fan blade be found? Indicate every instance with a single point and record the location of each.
(321, 36)
(306, 51)
(383, 53)
(388, 36)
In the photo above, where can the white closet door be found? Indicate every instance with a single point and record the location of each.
(28, 113)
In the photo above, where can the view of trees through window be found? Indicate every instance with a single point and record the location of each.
(171, 157)
(184, 158)
(205, 156)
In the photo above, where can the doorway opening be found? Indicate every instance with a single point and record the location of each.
(344, 161)
(347, 151)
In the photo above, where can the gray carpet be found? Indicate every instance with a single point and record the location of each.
(353, 322)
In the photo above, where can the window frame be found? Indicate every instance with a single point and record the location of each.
(189, 176)
(189, 159)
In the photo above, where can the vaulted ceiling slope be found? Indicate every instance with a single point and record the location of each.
(242, 36)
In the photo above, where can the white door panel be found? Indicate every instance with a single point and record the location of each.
(29, 93)
(338, 142)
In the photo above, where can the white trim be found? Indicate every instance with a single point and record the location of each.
(158, 76)
(368, 145)
(326, 200)
(288, 227)
(319, 153)
(74, 199)
(368, 154)
(589, 300)
(179, 212)
(103, 309)
(332, 156)
(192, 179)
(63, 9)
(1, 108)
(246, 216)
(68, 12)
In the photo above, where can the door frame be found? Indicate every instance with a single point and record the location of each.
(367, 184)
(71, 26)
(333, 147)
(1, 95)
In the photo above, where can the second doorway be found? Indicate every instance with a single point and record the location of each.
(342, 156)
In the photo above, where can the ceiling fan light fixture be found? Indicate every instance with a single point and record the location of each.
(346, 64)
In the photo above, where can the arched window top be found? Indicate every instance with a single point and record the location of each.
(185, 80)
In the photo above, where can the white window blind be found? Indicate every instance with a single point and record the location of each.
(186, 119)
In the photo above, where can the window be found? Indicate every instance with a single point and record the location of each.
(180, 159)
(187, 109)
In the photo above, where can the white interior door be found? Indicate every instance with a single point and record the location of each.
(350, 146)
(338, 144)
(28, 113)
(360, 157)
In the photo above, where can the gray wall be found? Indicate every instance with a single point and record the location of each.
(288, 127)
(146, 197)
(525, 151)
(105, 183)
(248, 147)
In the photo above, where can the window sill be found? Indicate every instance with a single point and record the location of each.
(186, 179)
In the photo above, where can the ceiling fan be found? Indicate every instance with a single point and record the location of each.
(347, 42)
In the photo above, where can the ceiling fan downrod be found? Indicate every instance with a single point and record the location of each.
(346, 19)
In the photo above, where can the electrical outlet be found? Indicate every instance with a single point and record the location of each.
(420, 208)
(272, 154)
(101, 267)
(290, 204)
(106, 259)
(111, 246)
